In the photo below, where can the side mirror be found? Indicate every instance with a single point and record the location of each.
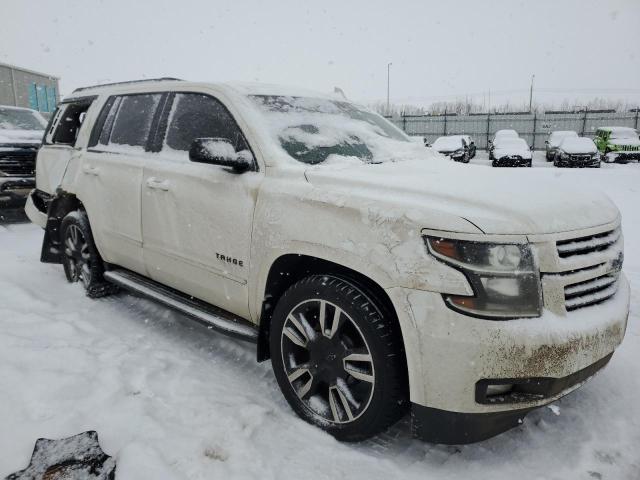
(220, 151)
(531, 148)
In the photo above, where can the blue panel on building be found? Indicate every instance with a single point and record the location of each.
(42, 98)
(33, 96)
(51, 98)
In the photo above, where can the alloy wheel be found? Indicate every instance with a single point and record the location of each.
(327, 361)
(77, 255)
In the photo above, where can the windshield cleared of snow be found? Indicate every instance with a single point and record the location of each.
(18, 119)
(311, 130)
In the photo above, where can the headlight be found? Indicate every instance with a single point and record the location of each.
(504, 277)
(564, 156)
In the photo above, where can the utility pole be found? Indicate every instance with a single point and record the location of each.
(388, 76)
(531, 93)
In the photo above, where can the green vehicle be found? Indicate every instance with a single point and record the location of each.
(618, 144)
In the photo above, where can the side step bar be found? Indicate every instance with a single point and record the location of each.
(217, 318)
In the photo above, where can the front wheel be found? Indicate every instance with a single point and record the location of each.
(338, 357)
(81, 260)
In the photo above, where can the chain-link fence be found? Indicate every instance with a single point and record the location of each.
(534, 128)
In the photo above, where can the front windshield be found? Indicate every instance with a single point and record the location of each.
(14, 119)
(446, 144)
(315, 130)
(513, 143)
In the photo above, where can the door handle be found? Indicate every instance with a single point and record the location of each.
(89, 170)
(156, 184)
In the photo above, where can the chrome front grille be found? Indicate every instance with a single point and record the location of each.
(590, 244)
(580, 270)
(590, 292)
(628, 148)
(581, 158)
(18, 162)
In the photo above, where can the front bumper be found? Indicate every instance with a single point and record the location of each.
(15, 190)
(512, 162)
(36, 207)
(449, 355)
(621, 155)
(578, 163)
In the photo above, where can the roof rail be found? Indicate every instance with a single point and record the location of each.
(161, 79)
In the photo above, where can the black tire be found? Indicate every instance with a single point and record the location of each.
(378, 393)
(80, 257)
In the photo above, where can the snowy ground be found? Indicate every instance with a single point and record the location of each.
(171, 399)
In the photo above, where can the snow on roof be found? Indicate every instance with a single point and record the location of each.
(268, 89)
(506, 133)
(242, 88)
(466, 138)
(556, 137)
(578, 145)
(619, 129)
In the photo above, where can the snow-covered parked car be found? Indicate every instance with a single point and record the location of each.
(378, 277)
(21, 131)
(618, 144)
(553, 142)
(511, 152)
(576, 152)
(453, 146)
(498, 137)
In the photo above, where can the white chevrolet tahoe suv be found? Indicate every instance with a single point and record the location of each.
(378, 277)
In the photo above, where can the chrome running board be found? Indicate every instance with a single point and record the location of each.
(217, 318)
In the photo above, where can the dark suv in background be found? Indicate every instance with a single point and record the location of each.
(21, 131)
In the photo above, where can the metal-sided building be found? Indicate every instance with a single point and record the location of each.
(21, 87)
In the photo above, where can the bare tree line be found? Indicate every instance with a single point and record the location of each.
(466, 107)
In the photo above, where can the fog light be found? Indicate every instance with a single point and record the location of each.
(498, 389)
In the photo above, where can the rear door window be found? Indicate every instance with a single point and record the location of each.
(133, 120)
(126, 121)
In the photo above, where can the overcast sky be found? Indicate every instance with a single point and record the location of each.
(439, 49)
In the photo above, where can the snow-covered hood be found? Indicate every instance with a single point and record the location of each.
(634, 142)
(578, 145)
(446, 196)
(507, 150)
(10, 136)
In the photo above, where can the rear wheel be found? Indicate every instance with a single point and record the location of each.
(81, 260)
(338, 358)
